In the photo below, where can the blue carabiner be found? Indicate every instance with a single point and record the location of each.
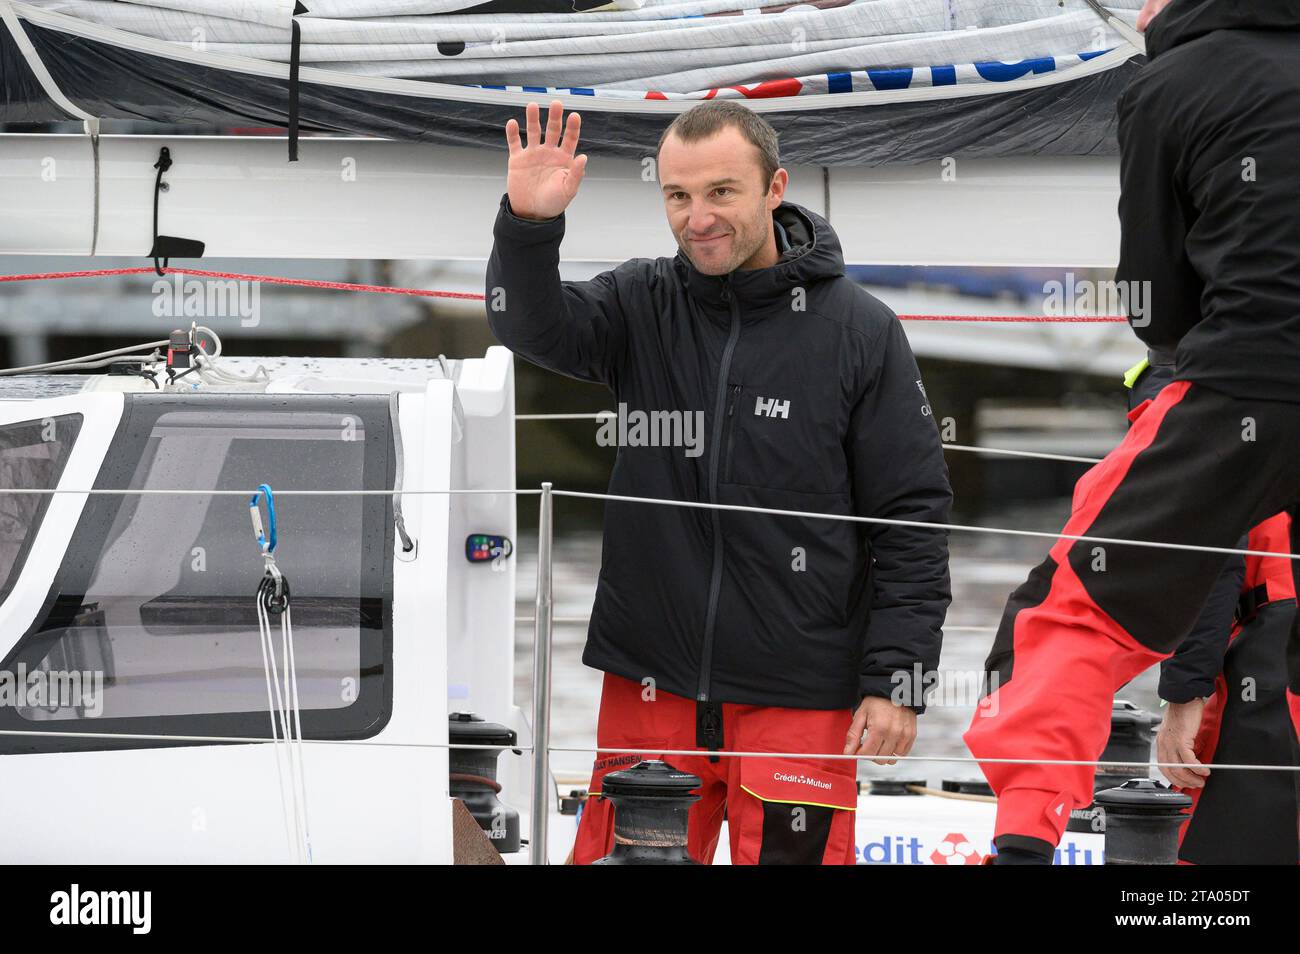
(266, 541)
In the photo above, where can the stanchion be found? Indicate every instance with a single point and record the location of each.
(542, 684)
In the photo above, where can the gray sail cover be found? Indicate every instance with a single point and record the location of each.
(846, 82)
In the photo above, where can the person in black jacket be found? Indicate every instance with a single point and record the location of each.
(1210, 217)
(746, 631)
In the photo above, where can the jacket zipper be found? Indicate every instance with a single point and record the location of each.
(715, 518)
(731, 432)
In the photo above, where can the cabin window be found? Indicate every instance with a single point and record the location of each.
(32, 455)
(155, 598)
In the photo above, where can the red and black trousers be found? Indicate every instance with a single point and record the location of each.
(1197, 468)
(778, 809)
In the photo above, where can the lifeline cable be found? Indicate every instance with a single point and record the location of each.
(811, 514)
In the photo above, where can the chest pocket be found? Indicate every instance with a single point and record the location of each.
(782, 439)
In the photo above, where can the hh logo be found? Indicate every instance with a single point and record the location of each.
(771, 407)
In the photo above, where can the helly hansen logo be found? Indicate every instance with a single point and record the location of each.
(771, 407)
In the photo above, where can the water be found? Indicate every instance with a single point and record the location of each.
(985, 569)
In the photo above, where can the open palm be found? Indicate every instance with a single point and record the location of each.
(543, 177)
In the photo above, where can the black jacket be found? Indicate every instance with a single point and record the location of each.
(1209, 135)
(810, 400)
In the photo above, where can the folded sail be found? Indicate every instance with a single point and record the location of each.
(863, 82)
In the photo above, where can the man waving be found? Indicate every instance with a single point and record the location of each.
(728, 629)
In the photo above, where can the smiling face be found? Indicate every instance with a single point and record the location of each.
(718, 206)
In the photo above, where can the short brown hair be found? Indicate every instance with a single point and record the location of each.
(702, 121)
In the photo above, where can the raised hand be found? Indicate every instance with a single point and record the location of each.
(543, 177)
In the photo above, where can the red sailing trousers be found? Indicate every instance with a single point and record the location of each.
(778, 810)
(1198, 467)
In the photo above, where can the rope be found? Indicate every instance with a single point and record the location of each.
(475, 296)
(1037, 455)
(295, 740)
(273, 597)
(927, 525)
(520, 491)
(966, 448)
(154, 737)
(571, 620)
(475, 780)
(959, 796)
(654, 753)
(399, 468)
(809, 514)
(273, 708)
(241, 277)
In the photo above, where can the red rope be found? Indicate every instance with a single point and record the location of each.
(237, 276)
(468, 296)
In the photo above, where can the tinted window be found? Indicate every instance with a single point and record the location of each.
(157, 590)
(32, 455)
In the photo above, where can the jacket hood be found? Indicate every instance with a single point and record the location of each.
(1185, 20)
(814, 254)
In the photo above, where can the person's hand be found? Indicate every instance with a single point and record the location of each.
(1175, 740)
(890, 729)
(543, 177)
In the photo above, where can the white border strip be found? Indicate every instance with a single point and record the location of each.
(37, 66)
(464, 94)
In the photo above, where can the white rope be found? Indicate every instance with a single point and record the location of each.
(927, 525)
(155, 737)
(562, 620)
(286, 739)
(965, 448)
(268, 668)
(518, 491)
(850, 518)
(1130, 34)
(597, 416)
(589, 749)
(1036, 455)
(295, 738)
(210, 373)
(916, 758)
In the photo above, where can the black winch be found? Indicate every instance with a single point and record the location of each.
(1132, 730)
(898, 786)
(473, 776)
(967, 786)
(651, 802)
(1142, 818)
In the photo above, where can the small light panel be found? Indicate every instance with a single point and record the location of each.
(486, 547)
